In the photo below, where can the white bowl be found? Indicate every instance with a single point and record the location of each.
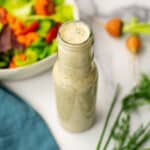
(38, 67)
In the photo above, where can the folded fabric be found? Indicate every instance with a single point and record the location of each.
(21, 128)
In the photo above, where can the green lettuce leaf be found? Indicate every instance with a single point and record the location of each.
(19, 8)
(1, 27)
(4, 60)
(31, 58)
(45, 26)
(53, 48)
(63, 13)
(58, 2)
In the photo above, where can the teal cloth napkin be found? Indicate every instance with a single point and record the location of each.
(21, 128)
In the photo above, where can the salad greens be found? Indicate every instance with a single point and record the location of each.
(31, 57)
(37, 51)
(4, 60)
(1, 27)
(63, 13)
(18, 7)
(58, 2)
(120, 131)
(26, 10)
(34, 24)
(45, 25)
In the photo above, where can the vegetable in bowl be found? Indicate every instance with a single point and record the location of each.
(28, 30)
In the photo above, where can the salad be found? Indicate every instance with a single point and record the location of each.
(28, 30)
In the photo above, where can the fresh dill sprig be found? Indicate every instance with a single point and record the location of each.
(139, 96)
(137, 137)
(121, 131)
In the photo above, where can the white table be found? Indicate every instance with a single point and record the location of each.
(115, 64)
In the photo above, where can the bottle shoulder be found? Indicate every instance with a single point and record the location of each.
(75, 77)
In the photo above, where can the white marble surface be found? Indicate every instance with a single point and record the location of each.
(115, 64)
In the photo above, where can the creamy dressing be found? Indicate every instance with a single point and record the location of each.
(75, 77)
(74, 32)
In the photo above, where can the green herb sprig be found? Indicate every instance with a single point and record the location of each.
(139, 137)
(108, 116)
(122, 131)
(139, 96)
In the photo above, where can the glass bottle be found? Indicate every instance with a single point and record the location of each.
(75, 77)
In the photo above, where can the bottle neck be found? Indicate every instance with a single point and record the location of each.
(75, 56)
(73, 53)
(75, 59)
